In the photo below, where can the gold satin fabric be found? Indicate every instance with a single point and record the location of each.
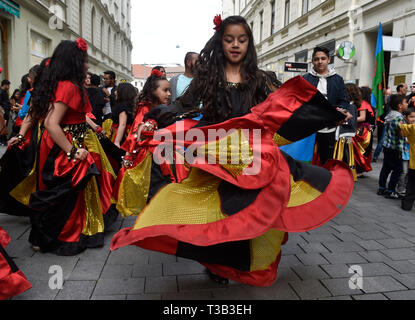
(94, 220)
(339, 148)
(134, 188)
(24, 190)
(93, 145)
(194, 201)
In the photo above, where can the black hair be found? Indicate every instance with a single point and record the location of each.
(188, 57)
(151, 85)
(111, 74)
(396, 100)
(67, 63)
(366, 94)
(126, 95)
(25, 85)
(209, 85)
(272, 78)
(321, 49)
(95, 80)
(5, 83)
(399, 87)
(159, 68)
(409, 111)
(14, 93)
(34, 71)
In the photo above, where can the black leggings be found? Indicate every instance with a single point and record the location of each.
(325, 146)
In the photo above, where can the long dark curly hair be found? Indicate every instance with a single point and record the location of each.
(355, 94)
(24, 86)
(126, 96)
(366, 94)
(209, 86)
(151, 85)
(67, 63)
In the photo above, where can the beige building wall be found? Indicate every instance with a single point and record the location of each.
(104, 24)
(308, 23)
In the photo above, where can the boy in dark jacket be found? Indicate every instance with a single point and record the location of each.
(332, 86)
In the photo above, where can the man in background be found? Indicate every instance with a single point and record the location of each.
(109, 91)
(180, 83)
(5, 105)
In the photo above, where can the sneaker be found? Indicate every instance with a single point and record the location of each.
(393, 195)
(381, 192)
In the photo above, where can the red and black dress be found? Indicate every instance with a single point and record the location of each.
(73, 199)
(12, 280)
(234, 216)
(18, 167)
(363, 141)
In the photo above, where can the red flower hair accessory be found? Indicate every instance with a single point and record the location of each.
(47, 64)
(1, 70)
(82, 45)
(157, 73)
(218, 22)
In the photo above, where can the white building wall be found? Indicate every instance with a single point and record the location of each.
(329, 20)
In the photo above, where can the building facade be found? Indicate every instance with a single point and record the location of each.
(288, 30)
(31, 30)
(142, 72)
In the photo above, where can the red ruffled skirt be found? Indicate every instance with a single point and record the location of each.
(233, 217)
(12, 280)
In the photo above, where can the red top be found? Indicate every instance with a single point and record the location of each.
(69, 94)
(366, 106)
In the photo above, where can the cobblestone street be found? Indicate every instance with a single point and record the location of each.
(372, 232)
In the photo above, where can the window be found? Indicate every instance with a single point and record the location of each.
(102, 34)
(81, 10)
(261, 28)
(301, 56)
(272, 17)
(287, 13)
(305, 6)
(39, 48)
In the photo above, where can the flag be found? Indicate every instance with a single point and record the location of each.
(302, 150)
(377, 88)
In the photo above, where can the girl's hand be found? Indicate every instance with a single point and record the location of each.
(13, 141)
(81, 154)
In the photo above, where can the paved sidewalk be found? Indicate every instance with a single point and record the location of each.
(372, 232)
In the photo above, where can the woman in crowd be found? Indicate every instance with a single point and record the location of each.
(363, 141)
(72, 202)
(233, 217)
(156, 92)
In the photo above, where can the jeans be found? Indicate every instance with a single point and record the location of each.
(380, 145)
(392, 163)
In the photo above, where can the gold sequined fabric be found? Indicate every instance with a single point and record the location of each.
(106, 126)
(265, 249)
(281, 141)
(134, 188)
(94, 221)
(339, 149)
(232, 152)
(193, 201)
(301, 193)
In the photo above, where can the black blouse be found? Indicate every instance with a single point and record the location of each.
(118, 110)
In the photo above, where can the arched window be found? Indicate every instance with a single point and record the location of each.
(80, 16)
(108, 40)
(102, 34)
(93, 15)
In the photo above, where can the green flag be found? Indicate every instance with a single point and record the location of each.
(377, 87)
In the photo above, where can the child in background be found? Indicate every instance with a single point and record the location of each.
(408, 130)
(393, 148)
(403, 180)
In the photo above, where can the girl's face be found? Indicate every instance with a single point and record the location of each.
(17, 95)
(163, 91)
(235, 41)
(410, 118)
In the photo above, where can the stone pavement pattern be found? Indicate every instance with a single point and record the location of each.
(371, 232)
